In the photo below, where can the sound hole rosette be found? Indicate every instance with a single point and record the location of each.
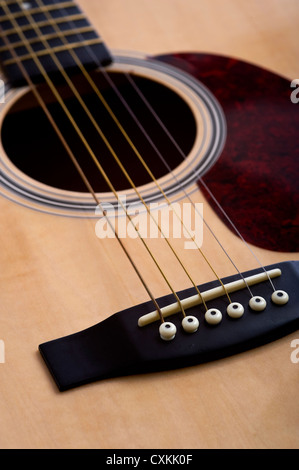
(208, 144)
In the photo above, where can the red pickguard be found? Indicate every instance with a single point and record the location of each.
(256, 178)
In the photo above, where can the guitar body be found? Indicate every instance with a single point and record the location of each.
(59, 276)
(256, 104)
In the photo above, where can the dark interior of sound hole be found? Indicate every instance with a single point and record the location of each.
(34, 147)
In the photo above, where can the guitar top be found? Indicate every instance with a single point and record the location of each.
(149, 225)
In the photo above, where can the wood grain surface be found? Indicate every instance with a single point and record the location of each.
(57, 277)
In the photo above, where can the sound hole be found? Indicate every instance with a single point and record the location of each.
(33, 146)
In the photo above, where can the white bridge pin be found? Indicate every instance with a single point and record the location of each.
(167, 331)
(235, 310)
(280, 297)
(190, 324)
(257, 303)
(213, 316)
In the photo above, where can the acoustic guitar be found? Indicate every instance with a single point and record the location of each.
(149, 237)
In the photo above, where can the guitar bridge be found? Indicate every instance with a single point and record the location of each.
(118, 346)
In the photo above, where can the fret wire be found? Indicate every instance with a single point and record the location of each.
(40, 24)
(56, 49)
(11, 2)
(48, 8)
(61, 34)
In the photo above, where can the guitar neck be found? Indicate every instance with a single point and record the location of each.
(32, 32)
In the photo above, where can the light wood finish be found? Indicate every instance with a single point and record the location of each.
(57, 278)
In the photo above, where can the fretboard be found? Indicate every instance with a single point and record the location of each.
(32, 32)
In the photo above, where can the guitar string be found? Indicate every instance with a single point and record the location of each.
(141, 127)
(91, 53)
(200, 179)
(173, 140)
(162, 125)
(59, 99)
(237, 231)
(58, 64)
(184, 156)
(169, 244)
(131, 112)
(175, 143)
(126, 174)
(37, 95)
(177, 258)
(137, 153)
(142, 200)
